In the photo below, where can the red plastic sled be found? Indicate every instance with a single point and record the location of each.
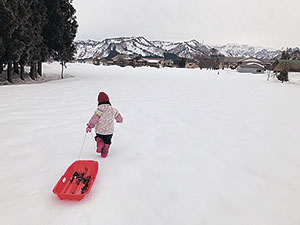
(77, 180)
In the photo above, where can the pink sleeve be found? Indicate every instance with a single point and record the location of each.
(119, 118)
(93, 121)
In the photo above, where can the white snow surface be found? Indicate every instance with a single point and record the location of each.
(195, 148)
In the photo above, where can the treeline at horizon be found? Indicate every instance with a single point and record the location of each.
(34, 31)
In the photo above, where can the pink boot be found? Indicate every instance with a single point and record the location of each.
(105, 150)
(100, 145)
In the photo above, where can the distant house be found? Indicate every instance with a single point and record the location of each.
(154, 62)
(140, 62)
(268, 63)
(97, 61)
(191, 64)
(250, 68)
(168, 63)
(123, 60)
(250, 65)
(100, 61)
(103, 61)
(229, 62)
(109, 63)
(250, 60)
(286, 65)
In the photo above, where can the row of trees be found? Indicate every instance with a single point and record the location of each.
(286, 63)
(33, 31)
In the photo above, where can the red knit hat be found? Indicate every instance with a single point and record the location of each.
(103, 97)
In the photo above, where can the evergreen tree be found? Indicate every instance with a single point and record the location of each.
(284, 73)
(33, 30)
(17, 35)
(37, 49)
(2, 50)
(60, 31)
(8, 24)
(24, 35)
(22, 14)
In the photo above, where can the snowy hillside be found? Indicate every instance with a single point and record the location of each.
(165, 45)
(187, 49)
(236, 50)
(196, 147)
(139, 46)
(190, 49)
(123, 45)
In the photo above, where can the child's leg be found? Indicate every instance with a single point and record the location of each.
(105, 150)
(100, 144)
(103, 144)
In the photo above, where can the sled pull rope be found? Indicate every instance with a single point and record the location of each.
(93, 140)
(83, 144)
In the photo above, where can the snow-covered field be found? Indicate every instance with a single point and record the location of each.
(195, 148)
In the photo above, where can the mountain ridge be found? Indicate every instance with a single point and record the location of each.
(140, 46)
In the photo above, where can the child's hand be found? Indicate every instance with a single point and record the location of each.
(88, 129)
(119, 118)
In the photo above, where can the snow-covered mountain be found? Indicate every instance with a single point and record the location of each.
(187, 49)
(238, 50)
(123, 45)
(139, 46)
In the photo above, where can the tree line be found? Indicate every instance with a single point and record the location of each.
(34, 31)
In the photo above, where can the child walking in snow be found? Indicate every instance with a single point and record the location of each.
(103, 121)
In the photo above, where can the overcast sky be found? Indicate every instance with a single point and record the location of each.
(266, 23)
